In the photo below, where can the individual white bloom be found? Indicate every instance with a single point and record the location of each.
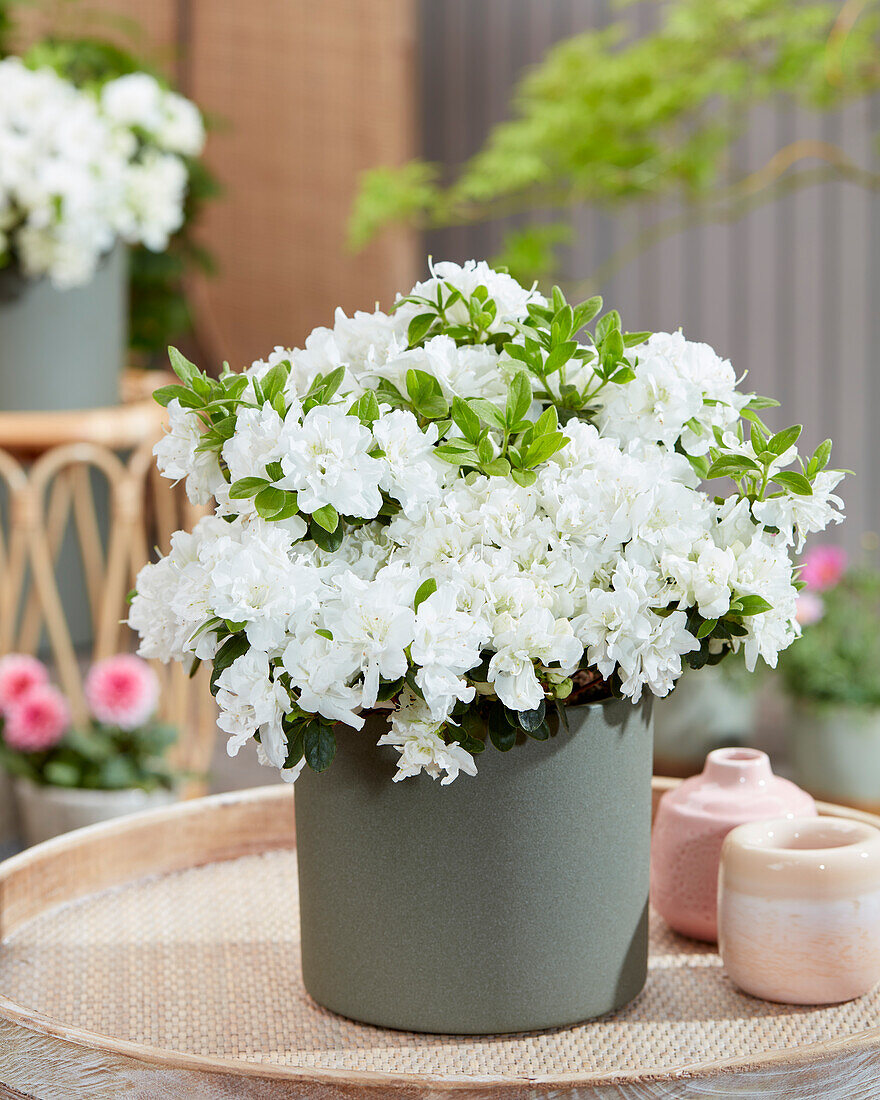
(413, 473)
(134, 100)
(536, 638)
(178, 456)
(181, 129)
(250, 702)
(447, 644)
(654, 406)
(376, 622)
(764, 569)
(257, 441)
(326, 461)
(414, 732)
(155, 189)
(511, 299)
(322, 670)
(797, 516)
(256, 581)
(364, 551)
(706, 578)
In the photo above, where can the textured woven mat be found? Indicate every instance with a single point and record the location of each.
(206, 961)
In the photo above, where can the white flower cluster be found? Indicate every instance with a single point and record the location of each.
(401, 521)
(80, 170)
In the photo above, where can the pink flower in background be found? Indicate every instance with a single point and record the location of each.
(18, 674)
(823, 567)
(122, 691)
(810, 608)
(37, 721)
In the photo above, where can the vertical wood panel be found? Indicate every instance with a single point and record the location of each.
(311, 94)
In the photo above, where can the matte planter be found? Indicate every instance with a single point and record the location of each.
(835, 754)
(63, 349)
(47, 812)
(510, 901)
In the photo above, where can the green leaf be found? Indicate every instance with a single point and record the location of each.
(732, 466)
(426, 588)
(498, 467)
(794, 482)
(274, 380)
(295, 750)
(519, 397)
(622, 376)
(547, 422)
(366, 408)
(247, 487)
(524, 477)
(606, 325)
(329, 541)
(750, 605)
(185, 370)
(61, 774)
(164, 395)
(503, 737)
(544, 448)
(466, 419)
(319, 746)
(822, 455)
(531, 719)
(756, 403)
(559, 356)
(706, 628)
(780, 442)
(418, 328)
(269, 502)
(420, 386)
(490, 414)
(585, 312)
(326, 517)
(633, 339)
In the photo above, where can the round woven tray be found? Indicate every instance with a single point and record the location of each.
(157, 958)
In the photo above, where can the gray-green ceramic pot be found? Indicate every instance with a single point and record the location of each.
(510, 901)
(63, 349)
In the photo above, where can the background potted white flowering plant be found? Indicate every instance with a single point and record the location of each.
(86, 171)
(833, 679)
(66, 777)
(471, 526)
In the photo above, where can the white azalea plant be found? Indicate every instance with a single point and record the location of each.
(82, 168)
(473, 512)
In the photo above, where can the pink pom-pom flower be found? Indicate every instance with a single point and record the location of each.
(37, 721)
(823, 567)
(122, 691)
(18, 674)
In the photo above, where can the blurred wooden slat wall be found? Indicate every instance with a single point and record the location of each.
(311, 94)
(788, 293)
(307, 95)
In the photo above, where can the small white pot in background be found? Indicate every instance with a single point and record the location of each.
(46, 812)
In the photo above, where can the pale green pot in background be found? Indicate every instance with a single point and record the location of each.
(835, 753)
(509, 901)
(63, 349)
(710, 708)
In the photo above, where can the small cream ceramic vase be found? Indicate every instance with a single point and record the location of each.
(736, 785)
(799, 909)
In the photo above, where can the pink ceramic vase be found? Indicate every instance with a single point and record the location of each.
(736, 786)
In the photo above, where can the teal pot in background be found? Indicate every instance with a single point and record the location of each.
(505, 902)
(835, 754)
(710, 708)
(63, 349)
